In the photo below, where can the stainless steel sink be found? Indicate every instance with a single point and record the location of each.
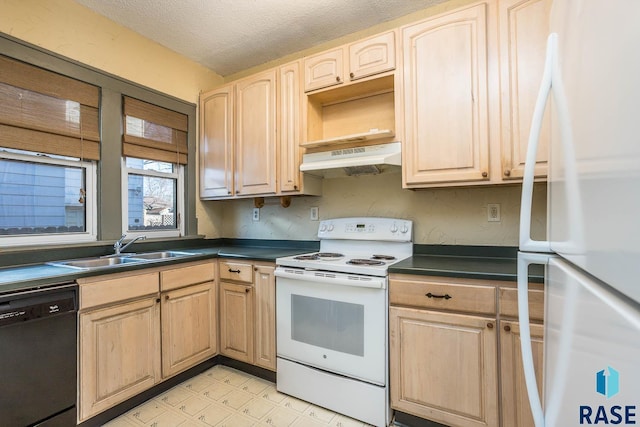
(160, 255)
(92, 263)
(118, 260)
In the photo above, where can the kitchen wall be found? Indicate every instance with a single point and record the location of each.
(455, 216)
(443, 216)
(74, 31)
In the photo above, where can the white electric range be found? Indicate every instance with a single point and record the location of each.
(332, 316)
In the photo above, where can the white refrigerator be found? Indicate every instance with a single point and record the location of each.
(591, 88)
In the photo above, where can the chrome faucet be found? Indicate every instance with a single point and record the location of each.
(117, 246)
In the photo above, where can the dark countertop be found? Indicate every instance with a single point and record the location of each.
(470, 267)
(39, 274)
(477, 262)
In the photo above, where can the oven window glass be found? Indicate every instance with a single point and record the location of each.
(333, 325)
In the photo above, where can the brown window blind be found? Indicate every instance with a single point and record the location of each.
(46, 112)
(153, 132)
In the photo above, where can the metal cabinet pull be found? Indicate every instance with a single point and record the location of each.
(247, 290)
(234, 271)
(507, 328)
(490, 325)
(445, 296)
(337, 78)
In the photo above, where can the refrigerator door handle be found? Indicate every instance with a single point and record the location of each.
(526, 243)
(524, 260)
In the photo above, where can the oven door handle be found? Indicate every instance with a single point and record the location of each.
(330, 278)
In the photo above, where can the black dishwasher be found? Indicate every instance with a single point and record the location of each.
(38, 357)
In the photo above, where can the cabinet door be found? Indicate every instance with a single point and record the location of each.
(119, 354)
(265, 287)
(515, 400)
(524, 26)
(443, 366)
(216, 143)
(324, 70)
(445, 92)
(256, 134)
(236, 321)
(188, 327)
(289, 107)
(372, 56)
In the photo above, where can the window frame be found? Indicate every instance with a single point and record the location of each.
(109, 170)
(91, 208)
(178, 175)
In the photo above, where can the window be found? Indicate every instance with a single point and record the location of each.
(46, 199)
(49, 146)
(153, 203)
(155, 150)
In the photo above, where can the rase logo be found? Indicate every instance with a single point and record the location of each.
(608, 384)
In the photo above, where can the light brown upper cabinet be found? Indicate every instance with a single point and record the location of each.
(372, 56)
(291, 180)
(523, 30)
(250, 134)
(445, 99)
(217, 143)
(238, 138)
(256, 134)
(362, 59)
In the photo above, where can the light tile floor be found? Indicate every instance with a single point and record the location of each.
(225, 397)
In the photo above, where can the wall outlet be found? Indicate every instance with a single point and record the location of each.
(314, 213)
(256, 214)
(493, 212)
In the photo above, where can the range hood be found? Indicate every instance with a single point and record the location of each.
(369, 160)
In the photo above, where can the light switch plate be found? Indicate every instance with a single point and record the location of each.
(314, 213)
(493, 212)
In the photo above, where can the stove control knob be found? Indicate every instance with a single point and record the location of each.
(330, 227)
(323, 228)
(394, 228)
(404, 229)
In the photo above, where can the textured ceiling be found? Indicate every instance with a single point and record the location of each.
(228, 36)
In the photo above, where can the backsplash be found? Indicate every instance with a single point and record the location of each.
(451, 216)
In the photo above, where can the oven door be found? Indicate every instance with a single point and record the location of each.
(335, 327)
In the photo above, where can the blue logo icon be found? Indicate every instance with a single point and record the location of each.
(608, 384)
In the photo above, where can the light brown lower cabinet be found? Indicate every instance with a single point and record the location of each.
(265, 316)
(444, 366)
(453, 341)
(122, 319)
(516, 411)
(247, 312)
(188, 327)
(119, 354)
(236, 321)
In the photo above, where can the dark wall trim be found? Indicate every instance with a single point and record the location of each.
(113, 88)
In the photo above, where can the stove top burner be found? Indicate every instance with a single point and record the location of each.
(319, 256)
(383, 257)
(361, 261)
(329, 255)
(310, 257)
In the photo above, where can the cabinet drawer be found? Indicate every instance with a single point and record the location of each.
(443, 296)
(236, 271)
(508, 300)
(189, 275)
(121, 288)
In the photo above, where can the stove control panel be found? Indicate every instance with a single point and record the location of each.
(362, 228)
